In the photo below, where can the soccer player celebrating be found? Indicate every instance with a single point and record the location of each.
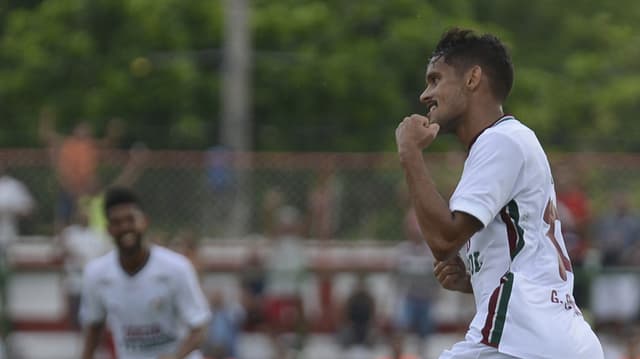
(499, 238)
(149, 296)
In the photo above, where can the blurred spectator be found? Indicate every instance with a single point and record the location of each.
(617, 232)
(222, 333)
(323, 206)
(574, 212)
(93, 202)
(222, 189)
(75, 159)
(578, 249)
(286, 267)
(573, 197)
(326, 311)
(272, 201)
(417, 286)
(185, 242)
(631, 256)
(577, 246)
(632, 343)
(358, 322)
(15, 202)
(80, 243)
(253, 283)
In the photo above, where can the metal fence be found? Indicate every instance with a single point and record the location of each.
(339, 195)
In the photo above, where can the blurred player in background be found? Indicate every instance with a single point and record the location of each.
(16, 202)
(149, 296)
(502, 217)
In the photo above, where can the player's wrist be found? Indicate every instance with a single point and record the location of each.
(408, 154)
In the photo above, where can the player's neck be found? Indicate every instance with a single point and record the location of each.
(132, 263)
(478, 119)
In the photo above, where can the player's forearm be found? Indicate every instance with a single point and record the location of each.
(434, 216)
(91, 341)
(191, 342)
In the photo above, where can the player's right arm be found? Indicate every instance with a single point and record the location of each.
(444, 231)
(92, 336)
(192, 307)
(452, 274)
(92, 310)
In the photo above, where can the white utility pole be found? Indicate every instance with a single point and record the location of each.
(236, 117)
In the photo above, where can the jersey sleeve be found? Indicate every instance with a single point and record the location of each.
(489, 177)
(191, 302)
(92, 308)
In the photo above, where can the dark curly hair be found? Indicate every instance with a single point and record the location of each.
(120, 195)
(463, 48)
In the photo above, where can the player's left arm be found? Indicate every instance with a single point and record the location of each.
(191, 342)
(92, 335)
(193, 308)
(92, 311)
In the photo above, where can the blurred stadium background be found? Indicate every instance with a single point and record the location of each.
(233, 118)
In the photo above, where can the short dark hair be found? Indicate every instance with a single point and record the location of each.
(120, 195)
(463, 48)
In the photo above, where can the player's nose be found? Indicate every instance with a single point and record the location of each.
(425, 96)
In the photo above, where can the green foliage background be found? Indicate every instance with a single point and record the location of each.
(328, 75)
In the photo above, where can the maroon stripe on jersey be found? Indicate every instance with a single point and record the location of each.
(511, 230)
(488, 324)
(565, 261)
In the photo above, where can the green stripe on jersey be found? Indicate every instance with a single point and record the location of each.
(501, 316)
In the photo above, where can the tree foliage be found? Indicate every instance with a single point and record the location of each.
(327, 75)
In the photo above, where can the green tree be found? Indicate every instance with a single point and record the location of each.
(328, 75)
(145, 61)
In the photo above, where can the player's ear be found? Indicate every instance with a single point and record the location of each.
(473, 77)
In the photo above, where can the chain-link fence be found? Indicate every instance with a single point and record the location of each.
(340, 196)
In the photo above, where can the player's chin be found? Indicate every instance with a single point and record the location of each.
(447, 125)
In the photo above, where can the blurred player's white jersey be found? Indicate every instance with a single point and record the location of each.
(149, 311)
(520, 271)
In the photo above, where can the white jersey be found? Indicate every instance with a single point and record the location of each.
(148, 313)
(15, 200)
(520, 272)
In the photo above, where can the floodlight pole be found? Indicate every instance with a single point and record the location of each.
(236, 118)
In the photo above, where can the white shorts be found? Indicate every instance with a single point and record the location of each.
(469, 350)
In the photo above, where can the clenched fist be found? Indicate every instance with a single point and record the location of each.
(415, 133)
(452, 275)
